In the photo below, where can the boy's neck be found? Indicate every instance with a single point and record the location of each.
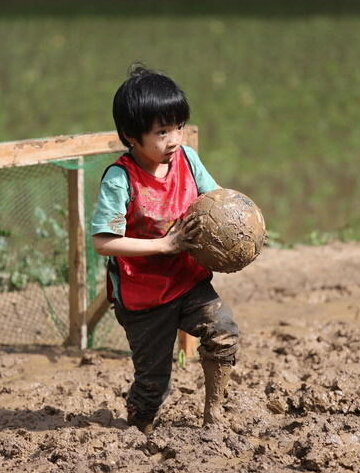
(155, 169)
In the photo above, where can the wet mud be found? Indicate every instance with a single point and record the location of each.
(292, 402)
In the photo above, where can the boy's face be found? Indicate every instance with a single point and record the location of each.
(159, 144)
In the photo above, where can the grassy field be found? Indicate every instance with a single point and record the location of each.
(275, 90)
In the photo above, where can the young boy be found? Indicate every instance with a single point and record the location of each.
(156, 286)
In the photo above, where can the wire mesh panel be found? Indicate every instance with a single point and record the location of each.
(34, 303)
(33, 255)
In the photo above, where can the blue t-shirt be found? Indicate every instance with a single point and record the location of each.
(114, 195)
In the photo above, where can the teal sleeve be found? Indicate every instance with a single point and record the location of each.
(112, 203)
(204, 181)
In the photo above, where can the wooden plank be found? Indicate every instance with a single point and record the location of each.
(37, 151)
(191, 136)
(188, 344)
(77, 259)
(97, 309)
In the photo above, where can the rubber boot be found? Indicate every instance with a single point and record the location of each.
(216, 379)
(144, 424)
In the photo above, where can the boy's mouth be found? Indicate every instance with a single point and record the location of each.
(171, 153)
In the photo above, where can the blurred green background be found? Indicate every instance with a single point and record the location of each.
(274, 88)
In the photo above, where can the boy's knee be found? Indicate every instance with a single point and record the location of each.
(221, 338)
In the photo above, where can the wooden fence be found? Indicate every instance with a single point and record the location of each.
(82, 317)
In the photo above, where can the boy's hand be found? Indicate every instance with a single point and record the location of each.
(181, 234)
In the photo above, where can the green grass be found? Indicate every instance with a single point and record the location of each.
(274, 88)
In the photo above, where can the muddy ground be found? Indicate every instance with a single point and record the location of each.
(293, 403)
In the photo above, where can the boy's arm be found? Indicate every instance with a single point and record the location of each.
(178, 238)
(113, 199)
(107, 244)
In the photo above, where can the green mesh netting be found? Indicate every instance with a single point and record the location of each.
(34, 254)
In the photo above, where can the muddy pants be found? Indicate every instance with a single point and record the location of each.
(152, 333)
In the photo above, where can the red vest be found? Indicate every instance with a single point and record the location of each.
(155, 203)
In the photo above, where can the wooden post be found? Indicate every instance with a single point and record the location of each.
(77, 259)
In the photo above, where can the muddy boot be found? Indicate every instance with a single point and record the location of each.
(144, 424)
(216, 378)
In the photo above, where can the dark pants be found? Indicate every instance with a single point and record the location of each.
(152, 333)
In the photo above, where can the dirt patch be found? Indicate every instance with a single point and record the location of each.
(293, 400)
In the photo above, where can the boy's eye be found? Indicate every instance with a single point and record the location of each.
(163, 132)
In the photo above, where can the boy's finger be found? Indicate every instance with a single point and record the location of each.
(190, 219)
(192, 246)
(192, 233)
(194, 223)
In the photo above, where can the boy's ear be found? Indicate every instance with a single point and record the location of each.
(130, 139)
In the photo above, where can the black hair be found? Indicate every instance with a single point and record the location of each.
(144, 97)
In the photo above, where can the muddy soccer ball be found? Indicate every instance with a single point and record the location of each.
(232, 230)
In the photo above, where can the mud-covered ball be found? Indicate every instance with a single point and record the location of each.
(232, 230)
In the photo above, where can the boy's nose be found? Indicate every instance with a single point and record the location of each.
(175, 137)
